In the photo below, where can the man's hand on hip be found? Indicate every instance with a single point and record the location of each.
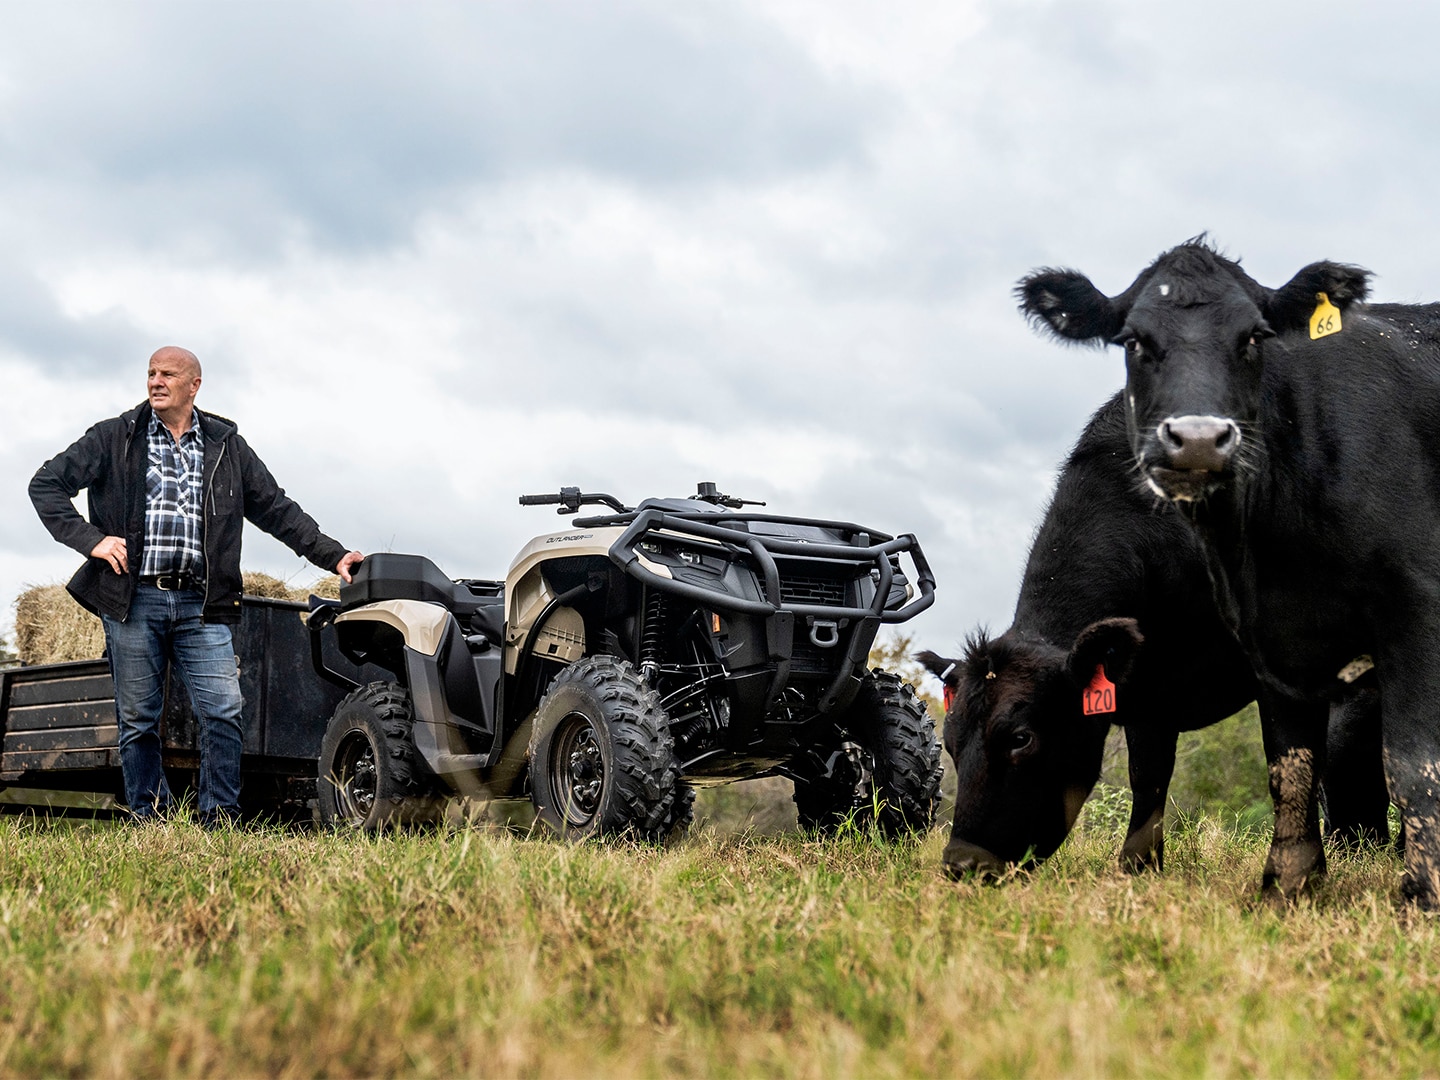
(112, 550)
(347, 562)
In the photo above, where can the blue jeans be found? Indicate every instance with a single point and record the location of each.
(166, 627)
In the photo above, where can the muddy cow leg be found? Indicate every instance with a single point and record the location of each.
(1152, 762)
(1295, 750)
(1408, 696)
(1355, 799)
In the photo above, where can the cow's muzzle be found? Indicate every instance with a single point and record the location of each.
(963, 860)
(1198, 443)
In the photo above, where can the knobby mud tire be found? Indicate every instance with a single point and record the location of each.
(890, 723)
(370, 774)
(908, 766)
(602, 761)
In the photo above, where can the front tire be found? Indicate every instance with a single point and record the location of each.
(370, 774)
(894, 742)
(602, 762)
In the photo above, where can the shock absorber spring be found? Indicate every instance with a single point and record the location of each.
(652, 635)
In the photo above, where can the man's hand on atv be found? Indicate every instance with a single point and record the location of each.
(348, 561)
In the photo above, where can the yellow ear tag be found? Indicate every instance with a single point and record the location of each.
(1325, 319)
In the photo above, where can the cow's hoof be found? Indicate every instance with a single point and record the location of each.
(1140, 860)
(1292, 868)
(1419, 894)
(962, 860)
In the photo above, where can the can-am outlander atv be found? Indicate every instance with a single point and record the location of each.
(626, 661)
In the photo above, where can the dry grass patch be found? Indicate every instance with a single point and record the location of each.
(480, 952)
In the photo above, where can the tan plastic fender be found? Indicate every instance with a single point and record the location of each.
(422, 624)
(526, 594)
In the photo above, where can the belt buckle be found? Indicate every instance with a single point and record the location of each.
(166, 582)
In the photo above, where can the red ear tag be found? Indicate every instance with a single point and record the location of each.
(1099, 696)
(949, 697)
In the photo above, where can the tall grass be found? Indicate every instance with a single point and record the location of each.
(169, 950)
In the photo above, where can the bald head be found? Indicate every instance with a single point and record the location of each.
(173, 355)
(172, 383)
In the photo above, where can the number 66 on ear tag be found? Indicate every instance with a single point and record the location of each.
(1099, 696)
(1325, 319)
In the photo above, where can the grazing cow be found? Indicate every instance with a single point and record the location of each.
(1109, 563)
(1298, 430)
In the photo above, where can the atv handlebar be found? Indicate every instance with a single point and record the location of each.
(763, 549)
(571, 499)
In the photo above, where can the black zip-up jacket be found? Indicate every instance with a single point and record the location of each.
(110, 461)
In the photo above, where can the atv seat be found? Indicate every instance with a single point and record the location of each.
(478, 606)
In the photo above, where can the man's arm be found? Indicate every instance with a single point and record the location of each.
(62, 478)
(267, 506)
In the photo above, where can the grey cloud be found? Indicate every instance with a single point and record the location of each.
(351, 119)
(34, 325)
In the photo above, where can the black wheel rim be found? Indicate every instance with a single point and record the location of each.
(355, 780)
(577, 770)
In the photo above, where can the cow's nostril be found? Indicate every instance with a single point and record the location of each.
(1168, 437)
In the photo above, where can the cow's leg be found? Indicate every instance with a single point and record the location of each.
(1356, 800)
(1295, 750)
(1409, 692)
(1152, 761)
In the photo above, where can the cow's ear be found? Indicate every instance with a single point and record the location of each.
(1068, 305)
(1290, 306)
(946, 670)
(1111, 642)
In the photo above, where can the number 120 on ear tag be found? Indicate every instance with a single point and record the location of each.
(1099, 696)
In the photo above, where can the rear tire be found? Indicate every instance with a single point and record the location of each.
(370, 775)
(602, 762)
(899, 749)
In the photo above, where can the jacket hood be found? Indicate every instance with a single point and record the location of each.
(212, 425)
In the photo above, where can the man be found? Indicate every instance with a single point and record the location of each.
(169, 488)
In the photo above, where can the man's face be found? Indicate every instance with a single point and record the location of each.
(172, 384)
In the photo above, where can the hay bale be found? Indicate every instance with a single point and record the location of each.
(257, 584)
(253, 583)
(327, 587)
(50, 627)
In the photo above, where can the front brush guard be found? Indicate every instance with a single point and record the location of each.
(763, 549)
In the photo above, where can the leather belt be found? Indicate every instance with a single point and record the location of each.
(174, 582)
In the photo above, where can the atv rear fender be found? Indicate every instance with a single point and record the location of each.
(454, 693)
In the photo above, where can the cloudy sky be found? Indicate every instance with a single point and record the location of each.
(437, 254)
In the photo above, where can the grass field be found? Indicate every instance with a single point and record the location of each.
(168, 950)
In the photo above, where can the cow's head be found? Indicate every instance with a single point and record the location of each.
(1026, 755)
(1193, 327)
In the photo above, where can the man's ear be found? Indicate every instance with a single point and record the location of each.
(1069, 306)
(1290, 306)
(1111, 642)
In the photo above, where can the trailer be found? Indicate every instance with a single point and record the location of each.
(58, 731)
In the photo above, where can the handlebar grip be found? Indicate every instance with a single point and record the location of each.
(538, 500)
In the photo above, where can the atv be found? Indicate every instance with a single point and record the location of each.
(626, 661)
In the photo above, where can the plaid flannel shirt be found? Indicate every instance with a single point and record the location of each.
(174, 483)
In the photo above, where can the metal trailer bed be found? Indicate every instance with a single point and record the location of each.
(58, 733)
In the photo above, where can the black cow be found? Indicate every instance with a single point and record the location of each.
(1299, 431)
(1109, 563)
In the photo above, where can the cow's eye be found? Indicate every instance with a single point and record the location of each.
(1136, 350)
(1019, 740)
